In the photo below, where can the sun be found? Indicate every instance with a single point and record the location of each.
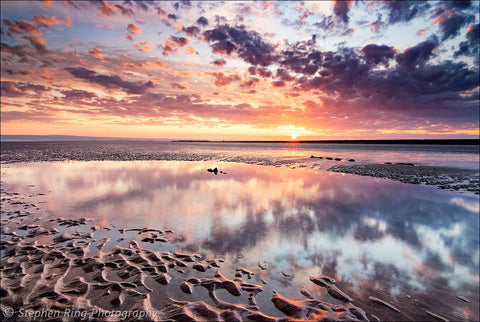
(293, 136)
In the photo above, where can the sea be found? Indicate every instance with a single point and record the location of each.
(449, 155)
(273, 205)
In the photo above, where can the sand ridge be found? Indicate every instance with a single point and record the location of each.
(64, 269)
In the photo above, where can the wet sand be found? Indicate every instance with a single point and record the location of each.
(442, 177)
(72, 269)
(77, 268)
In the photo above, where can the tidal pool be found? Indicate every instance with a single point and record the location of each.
(414, 246)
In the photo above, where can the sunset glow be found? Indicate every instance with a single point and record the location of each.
(241, 70)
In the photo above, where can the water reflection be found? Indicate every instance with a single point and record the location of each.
(370, 234)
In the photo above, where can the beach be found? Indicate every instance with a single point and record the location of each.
(262, 239)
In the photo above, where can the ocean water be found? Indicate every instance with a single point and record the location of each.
(414, 246)
(459, 156)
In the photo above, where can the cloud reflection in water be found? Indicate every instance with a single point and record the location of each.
(368, 233)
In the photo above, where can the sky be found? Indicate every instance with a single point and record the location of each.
(241, 70)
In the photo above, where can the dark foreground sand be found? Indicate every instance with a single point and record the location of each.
(442, 177)
(70, 269)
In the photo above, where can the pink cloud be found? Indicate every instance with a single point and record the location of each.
(97, 53)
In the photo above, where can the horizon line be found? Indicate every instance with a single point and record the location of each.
(66, 138)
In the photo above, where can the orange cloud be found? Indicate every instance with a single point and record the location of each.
(105, 10)
(152, 64)
(421, 32)
(97, 53)
(44, 21)
(134, 29)
(145, 45)
(190, 50)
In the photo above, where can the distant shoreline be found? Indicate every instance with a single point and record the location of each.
(67, 138)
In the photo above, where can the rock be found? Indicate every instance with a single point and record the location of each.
(351, 160)
(214, 170)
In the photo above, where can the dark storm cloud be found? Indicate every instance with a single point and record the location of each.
(78, 94)
(219, 62)
(405, 10)
(412, 87)
(223, 80)
(302, 57)
(179, 41)
(109, 81)
(457, 4)
(17, 50)
(225, 47)
(202, 21)
(249, 45)
(17, 89)
(191, 31)
(144, 5)
(375, 54)
(451, 22)
(283, 75)
(37, 43)
(252, 81)
(180, 4)
(470, 46)
(259, 71)
(125, 11)
(341, 8)
(19, 27)
(417, 55)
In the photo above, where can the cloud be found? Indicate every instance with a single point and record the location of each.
(178, 86)
(44, 21)
(19, 89)
(222, 80)
(249, 45)
(125, 11)
(110, 82)
(30, 116)
(105, 10)
(451, 21)
(202, 21)
(191, 31)
(19, 27)
(37, 43)
(470, 46)
(78, 94)
(405, 10)
(417, 55)
(97, 53)
(377, 24)
(143, 45)
(173, 42)
(219, 62)
(17, 50)
(133, 29)
(341, 8)
(259, 71)
(152, 64)
(375, 54)
(302, 57)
